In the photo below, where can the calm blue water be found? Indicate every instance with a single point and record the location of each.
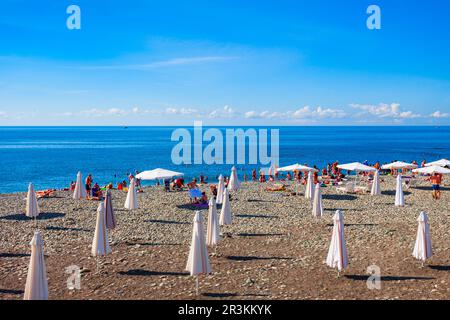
(51, 156)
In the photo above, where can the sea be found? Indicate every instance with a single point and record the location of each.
(50, 157)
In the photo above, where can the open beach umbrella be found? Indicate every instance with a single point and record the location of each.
(337, 253)
(212, 231)
(398, 165)
(422, 248)
(439, 163)
(158, 174)
(80, 191)
(233, 184)
(198, 260)
(225, 213)
(220, 189)
(399, 197)
(309, 192)
(317, 210)
(432, 169)
(36, 287)
(131, 202)
(356, 166)
(296, 167)
(100, 243)
(109, 211)
(32, 209)
(376, 190)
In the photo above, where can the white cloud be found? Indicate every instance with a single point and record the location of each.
(384, 110)
(306, 112)
(2, 114)
(182, 111)
(226, 112)
(438, 115)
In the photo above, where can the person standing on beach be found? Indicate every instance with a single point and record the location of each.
(436, 180)
(88, 185)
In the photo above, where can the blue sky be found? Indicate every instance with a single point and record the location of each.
(225, 62)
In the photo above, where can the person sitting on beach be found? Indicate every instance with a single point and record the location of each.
(204, 198)
(424, 162)
(97, 194)
(119, 186)
(213, 189)
(167, 185)
(288, 176)
(72, 186)
(436, 180)
(192, 184)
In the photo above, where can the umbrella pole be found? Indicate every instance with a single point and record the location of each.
(338, 274)
(35, 222)
(196, 285)
(97, 263)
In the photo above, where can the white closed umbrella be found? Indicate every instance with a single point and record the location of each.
(225, 213)
(317, 210)
(212, 231)
(32, 209)
(100, 243)
(220, 189)
(422, 248)
(131, 202)
(399, 197)
(198, 260)
(36, 287)
(337, 253)
(309, 192)
(234, 183)
(80, 191)
(376, 189)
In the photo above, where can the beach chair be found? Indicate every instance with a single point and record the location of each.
(348, 188)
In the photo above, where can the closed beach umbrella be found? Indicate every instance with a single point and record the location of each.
(422, 248)
(399, 197)
(100, 243)
(309, 193)
(225, 213)
(317, 209)
(198, 260)
(220, 189)
(376, 190)
(233, 184)
(80, 191)
(337, 253)
(36, 287)
(32, 209)
(131, 203)
(212, 231)
(109, 211)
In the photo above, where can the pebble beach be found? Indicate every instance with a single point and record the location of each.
(274, 249)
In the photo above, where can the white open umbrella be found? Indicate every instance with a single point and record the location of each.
(422, 248)
(212, 231)
(309, 192)
(296, 167)
(36, 287)
(398, 165)
(198, 260)
(158, 174)
(32, 209)
(432, 169)
(131, 202)
(439, 163)
(376, 189)
(399, 197)
(220, 189)
(337, 253)
(317, 209)
(225, 213)
(80, 191)
(356, 166)
(234, 183)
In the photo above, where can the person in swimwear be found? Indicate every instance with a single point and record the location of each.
(88, 185)
(436, 180)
